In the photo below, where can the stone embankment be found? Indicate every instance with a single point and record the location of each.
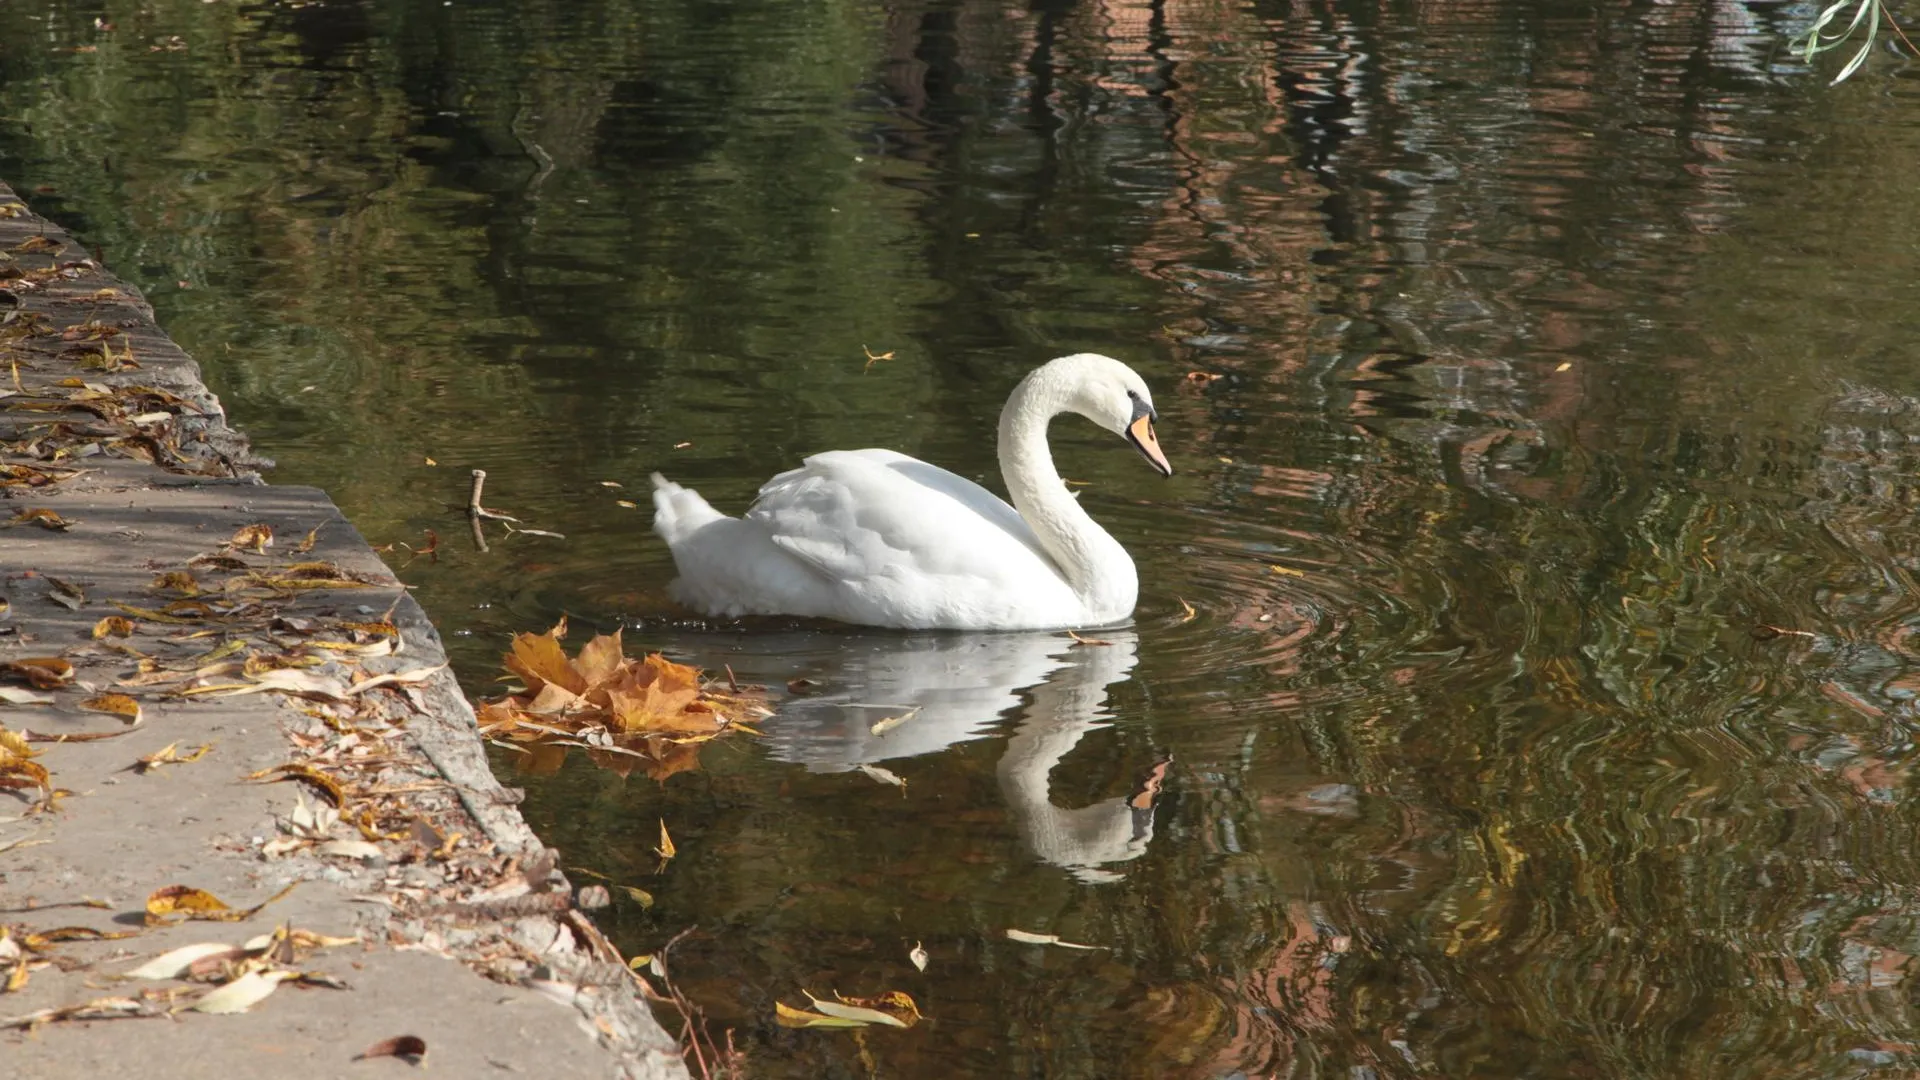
(399, 891)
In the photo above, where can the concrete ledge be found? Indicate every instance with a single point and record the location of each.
(151, 494)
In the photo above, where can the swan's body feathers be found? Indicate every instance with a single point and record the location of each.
(879, 538)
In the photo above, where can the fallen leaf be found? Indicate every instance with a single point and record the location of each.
(881, 775)
(183, 900)
(242, 993)
(918, 956)
(1287, 570)
(1078, 640)
(254, 538)
(872, 359)
(320, 781)
(665, 847)
(39, 672)
(787, 1016)
(895, 1003)
(106, 1008)
(172, 965)
(119, 705)
(638, 895)
(1187, 613)
(350, 849)
(306, 545)
(1027, 938)
(854, 1012)
(179, 581)
(888, 723)
(305, 684)
(41, 516)
(417, 675)
(13, 695)
(113, 626)
(170, 755)
(627, 503)
(65, 593)
(411, 1047)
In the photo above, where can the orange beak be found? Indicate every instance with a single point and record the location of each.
(1140, 434)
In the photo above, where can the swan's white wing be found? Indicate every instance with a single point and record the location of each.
(873, 518)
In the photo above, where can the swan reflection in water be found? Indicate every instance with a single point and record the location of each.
(960, 686)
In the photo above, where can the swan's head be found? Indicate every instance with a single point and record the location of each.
(1110, 394)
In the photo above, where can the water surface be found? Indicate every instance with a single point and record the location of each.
(1546, 707)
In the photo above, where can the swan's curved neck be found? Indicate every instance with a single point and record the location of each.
(1093, 563)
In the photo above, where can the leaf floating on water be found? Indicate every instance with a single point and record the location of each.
(918, 956)
(883, 776)
(413, 1048)
(1150, 786)
(1078, 640)
(242, 993)
(1187, 613)
(648, 713)
(789, 1017)
(888, 723)
(119, 705)
(873, 359)
(1028, 938)
(665, 848)
(854, 1012)
(638, 895)
(1286, 570)
(611, 484)
(627, 503)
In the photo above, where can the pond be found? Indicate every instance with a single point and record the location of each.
(1526, 647)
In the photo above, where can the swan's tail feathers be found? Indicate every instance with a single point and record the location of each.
(678, 511)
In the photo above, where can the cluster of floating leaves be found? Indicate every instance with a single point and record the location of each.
(645, 713)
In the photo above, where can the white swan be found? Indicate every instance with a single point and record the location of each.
(881, 539)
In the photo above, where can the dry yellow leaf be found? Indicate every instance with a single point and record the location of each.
(325, 784)
(787, 1016)
(43, 517)
(119, 705)
(254, 538)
